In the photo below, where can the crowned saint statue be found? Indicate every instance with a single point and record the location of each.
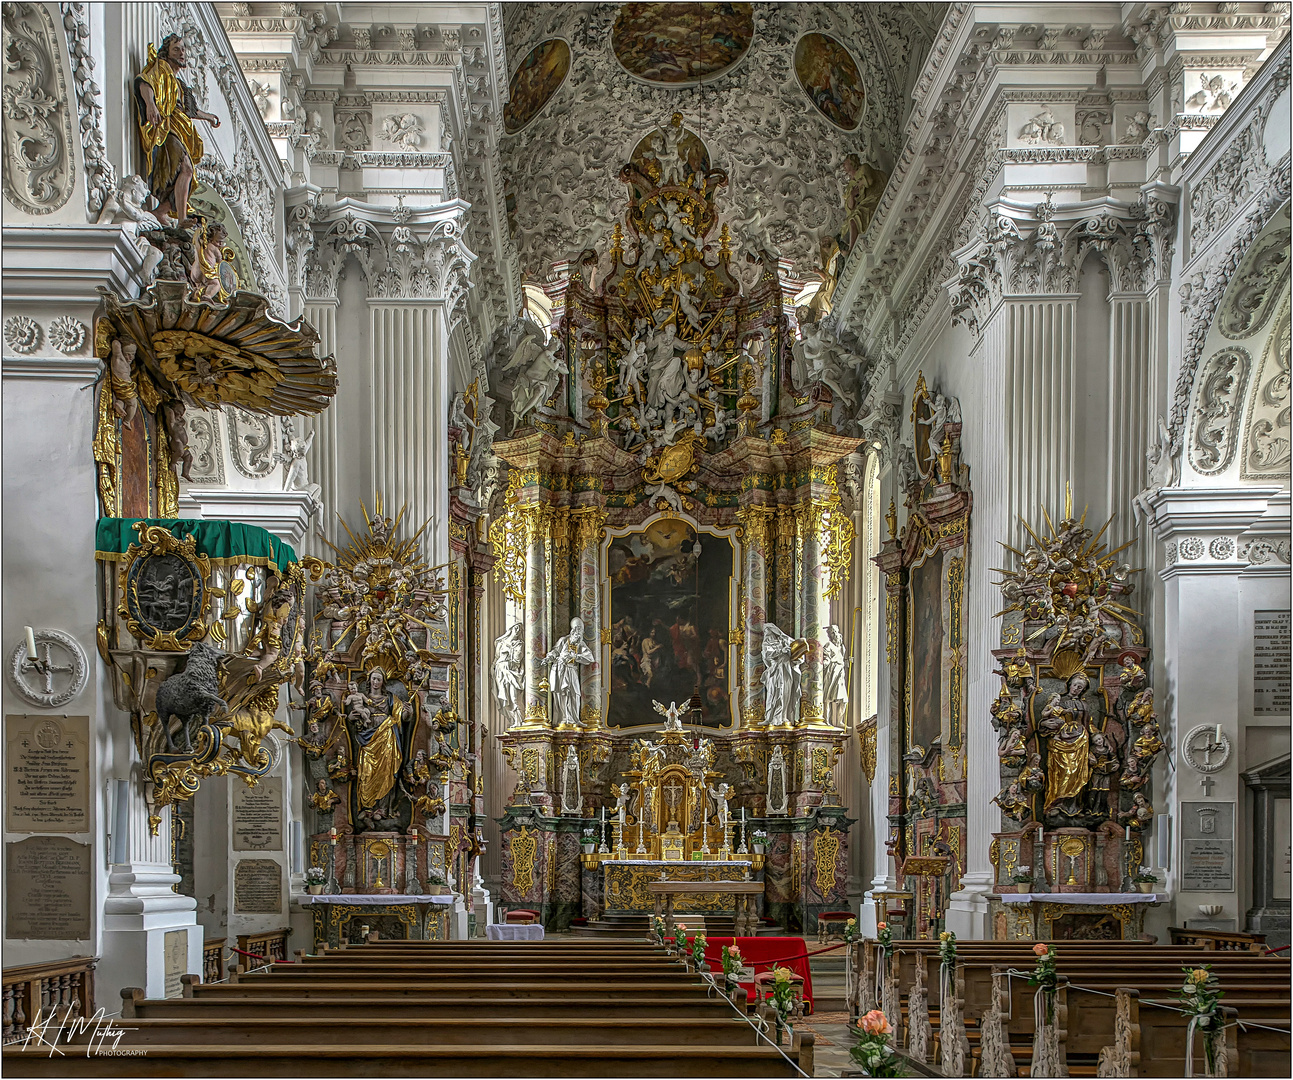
(563, 663)
(379, 749)
(167, 109)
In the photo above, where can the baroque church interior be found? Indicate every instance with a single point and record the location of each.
(641, 539)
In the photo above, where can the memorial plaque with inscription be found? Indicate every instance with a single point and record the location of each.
(47, 889)
(258, 887)
(175, 959)
(1208, 846)
(258, 815)
(1272, 679)
(47, 774)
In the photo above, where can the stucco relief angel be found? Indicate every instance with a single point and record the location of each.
(541, 371)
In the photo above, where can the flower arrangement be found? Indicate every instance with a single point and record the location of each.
(759, 836)
(680, 938)
(1145, 876)
(871, 1048)
(732, 964)
(851, 931)
(947, 949)
(314, 875)
(1023, 875)
(885, 936)
(783, 992)
(657, 924)
(1199, 996)
(1044, 976)
(698, 951)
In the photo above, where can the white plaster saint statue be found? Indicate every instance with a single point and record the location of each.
(835, 687)
(564, 662)
(781, 672)
(571, 797)
(778, 794)
(509, 672)
(667, 390)
(942, 411)
(633, 370)
(670, 714)
(621, 803)
(1161, 468)
(541, 371)
(821, 359)
(720, 795)
(297, 474)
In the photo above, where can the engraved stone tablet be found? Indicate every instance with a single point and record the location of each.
(257, 887)
(175, 958)
(1272, 679)
(47, 774)
(1208, 846)
(258, 815)
(47, 889)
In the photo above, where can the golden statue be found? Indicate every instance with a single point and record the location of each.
(379, 751)
(167, 109)
(1065, 721)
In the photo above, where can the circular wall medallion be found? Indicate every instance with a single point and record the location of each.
(830, 78)
(58, 674)
(533, 83)
(679, 44)
(1203, 750)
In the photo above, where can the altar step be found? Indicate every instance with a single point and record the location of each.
(633, 927)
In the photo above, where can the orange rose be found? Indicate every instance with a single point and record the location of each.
(875, 1023)
(1040, 949)
(880, 925)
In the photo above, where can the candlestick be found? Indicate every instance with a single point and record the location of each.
(31, 646)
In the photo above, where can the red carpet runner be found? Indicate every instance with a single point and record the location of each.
(760, 954)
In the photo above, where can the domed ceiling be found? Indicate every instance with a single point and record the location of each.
(802, 105)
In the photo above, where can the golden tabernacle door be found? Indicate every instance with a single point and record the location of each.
(673, 811)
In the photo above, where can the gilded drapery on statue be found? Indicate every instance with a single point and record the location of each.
(379, 748)
(1065, 720)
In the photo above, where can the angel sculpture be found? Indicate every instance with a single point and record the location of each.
(678, 225)
(687, 302)
(633, 363)
(670, 714)
(541, 371)
(821, 359)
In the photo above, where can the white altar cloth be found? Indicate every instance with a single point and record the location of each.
(374, 900)
(1081, 898)
(514, 931)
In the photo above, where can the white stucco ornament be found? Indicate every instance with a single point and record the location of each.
(58, 673)
(1206, 748)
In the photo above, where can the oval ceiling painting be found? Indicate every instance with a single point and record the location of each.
(676, 44)
(830, 78)
(534, 82)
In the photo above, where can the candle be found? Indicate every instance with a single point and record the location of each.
(1127, 833)
(31, 645)
(1218, 733)
(332, 835)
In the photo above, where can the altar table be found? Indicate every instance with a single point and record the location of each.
(624, 883)
(514, 931)
(763, 954)
(743, 893)
(1068, 916)
(422, 917)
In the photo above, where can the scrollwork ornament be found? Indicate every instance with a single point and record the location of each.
(40, 170)
(59, 657)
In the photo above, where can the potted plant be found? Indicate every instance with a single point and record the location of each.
(590, 840)
(436, 883)
(1023, 878)
(314, 880)
(759, 841)
(1145, 879)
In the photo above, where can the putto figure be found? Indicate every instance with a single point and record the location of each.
(167, 109)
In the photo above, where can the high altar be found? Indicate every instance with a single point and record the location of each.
(672, 542)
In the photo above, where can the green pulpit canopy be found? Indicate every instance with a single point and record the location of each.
(222, 542)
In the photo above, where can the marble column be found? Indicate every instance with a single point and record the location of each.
(586, 526)
(786, 563)
(756, 522)
(813, 607)
(537, 613)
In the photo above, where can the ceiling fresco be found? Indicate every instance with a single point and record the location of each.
(805, 129)
(676, 44)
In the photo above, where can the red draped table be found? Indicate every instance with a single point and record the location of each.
(764, 954)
